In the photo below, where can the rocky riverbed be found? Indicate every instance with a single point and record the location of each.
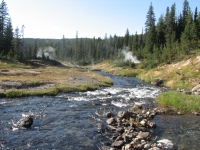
(132, 129)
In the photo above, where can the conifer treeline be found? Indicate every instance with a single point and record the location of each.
(172, 37)
(166, 40)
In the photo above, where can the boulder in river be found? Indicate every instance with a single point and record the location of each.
(25, 122)
(166, 144)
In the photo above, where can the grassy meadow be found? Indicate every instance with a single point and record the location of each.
(36, 80)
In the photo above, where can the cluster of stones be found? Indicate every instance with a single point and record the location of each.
(132, 130)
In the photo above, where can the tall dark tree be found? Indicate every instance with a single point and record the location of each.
(196, 15)
(126, 38)
(186, 38)
(150, 30)
(8, 38)
(160, 32)
(4, 19)
(170, 31)
(186, 8)
(135, 45)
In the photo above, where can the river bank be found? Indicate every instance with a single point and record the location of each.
(181, 78)
(18, 80)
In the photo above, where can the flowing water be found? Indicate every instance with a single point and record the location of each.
(75, 121)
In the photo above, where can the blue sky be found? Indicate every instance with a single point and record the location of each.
(55, 18)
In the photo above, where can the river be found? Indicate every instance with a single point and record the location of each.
(71, 120)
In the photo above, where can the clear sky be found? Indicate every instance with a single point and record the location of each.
(55, 18)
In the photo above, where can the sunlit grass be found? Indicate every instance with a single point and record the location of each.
(19, 93)
(179, 101)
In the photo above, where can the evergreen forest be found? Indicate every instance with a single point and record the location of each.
(164, 40)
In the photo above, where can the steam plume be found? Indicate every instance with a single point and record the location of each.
(48, 51)
(129, 56)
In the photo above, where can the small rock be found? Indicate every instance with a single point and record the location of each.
(108, 115)
(113, 148)
(179, 113)
(128, 147)
(154, 148)
(118, 144)
(147, 146)
(152, 124)
(120, 130)
(196, 113)
(119, 138)
(138, 106)
(143, 122)
(111, 121)
(124, 114)
(143, 135)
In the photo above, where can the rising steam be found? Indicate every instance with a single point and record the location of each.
(48, 52)
(128, 56)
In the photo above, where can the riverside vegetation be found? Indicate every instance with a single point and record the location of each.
(180, 77)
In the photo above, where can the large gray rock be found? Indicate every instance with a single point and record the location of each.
(118, 144)
(25, 122)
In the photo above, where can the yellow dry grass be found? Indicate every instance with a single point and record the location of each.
(170, 83)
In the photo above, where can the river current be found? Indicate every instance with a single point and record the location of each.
(74, 121)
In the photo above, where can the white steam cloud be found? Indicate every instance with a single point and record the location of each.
(48, 52)
(128, 56)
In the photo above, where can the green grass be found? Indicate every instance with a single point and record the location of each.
(179, 101)
(19, 93)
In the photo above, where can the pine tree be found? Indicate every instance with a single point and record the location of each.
(170, 31)
(160, 33)
(186, 9)
(141, 45)
(198, 25)
(17, 43)
(186, 38)
(196, 15)
(126, 38)
(150, 30)
(35, 48)
(4, 24)
(8, 38)
(135, 45)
